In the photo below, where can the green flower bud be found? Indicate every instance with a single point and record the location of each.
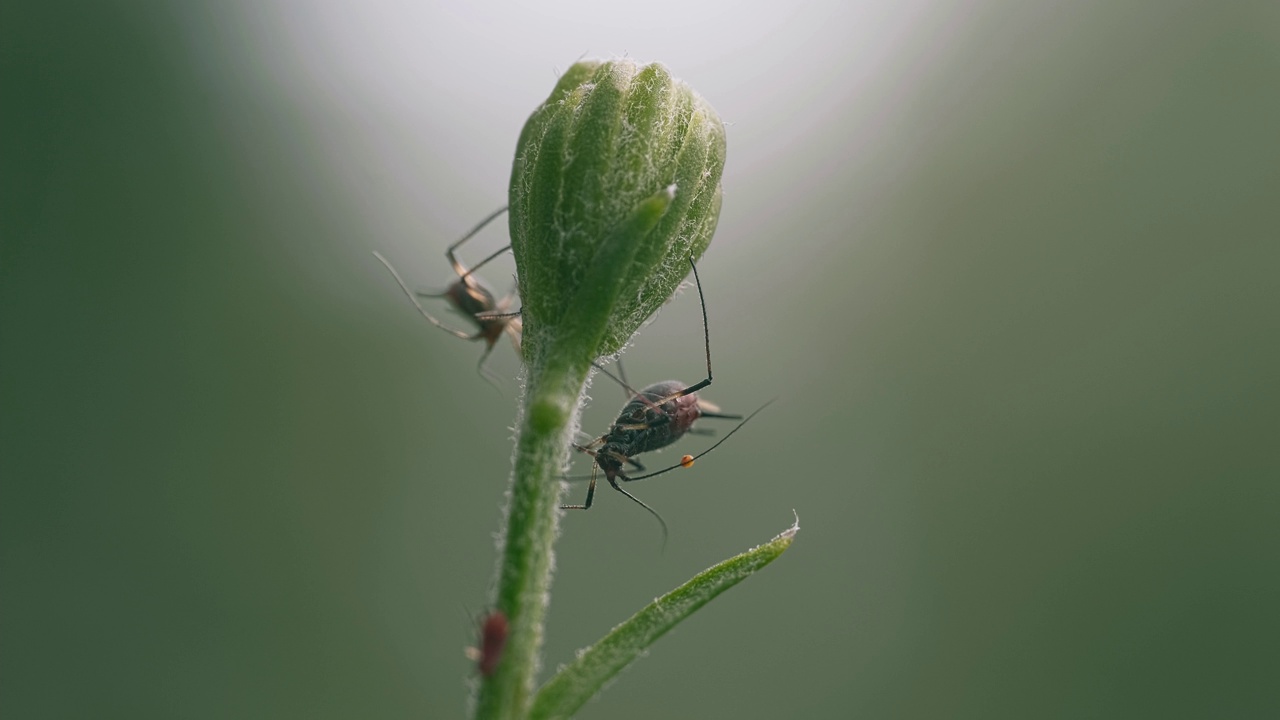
(615, 186)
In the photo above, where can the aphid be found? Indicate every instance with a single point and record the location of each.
(652, 419)
(470, 298)
(493, 638)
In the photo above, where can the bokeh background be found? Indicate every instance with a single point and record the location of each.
(1012, 269)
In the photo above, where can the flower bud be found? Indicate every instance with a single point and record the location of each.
(615, 186)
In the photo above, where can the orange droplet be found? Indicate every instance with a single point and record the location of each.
(686, 461)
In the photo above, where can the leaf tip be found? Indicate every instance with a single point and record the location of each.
(790, 533)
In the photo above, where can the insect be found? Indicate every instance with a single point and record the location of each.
(493, 638)
(652, 419)
(470, 298)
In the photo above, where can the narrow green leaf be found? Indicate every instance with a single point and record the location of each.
(578, 681)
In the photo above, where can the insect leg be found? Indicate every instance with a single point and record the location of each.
(591, 489)
(638, 501)
(448, 253)
(706, 336)
(496, 314)
(488, 376)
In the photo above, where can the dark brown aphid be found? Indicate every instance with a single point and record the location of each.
(493, 638)
(470, 298)
(652, 419)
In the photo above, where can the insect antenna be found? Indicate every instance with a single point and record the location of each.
(641, 503)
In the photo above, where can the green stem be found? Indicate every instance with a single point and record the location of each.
(551, 407)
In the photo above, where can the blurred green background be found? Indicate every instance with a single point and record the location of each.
(1012, 269)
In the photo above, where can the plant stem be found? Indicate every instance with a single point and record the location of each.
(549, 415)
